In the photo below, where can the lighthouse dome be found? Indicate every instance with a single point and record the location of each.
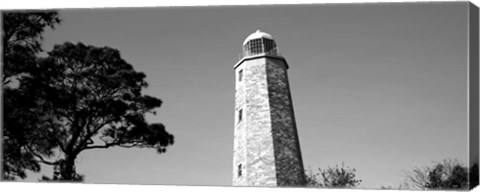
(257, 35)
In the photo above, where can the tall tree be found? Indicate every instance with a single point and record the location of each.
(90, 98)
(333, 177)
(22, 36)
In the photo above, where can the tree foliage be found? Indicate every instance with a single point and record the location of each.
(91, 98)
(473, 176)
(333, 177)
(313, 178)
(448, 174)
(78, 98)
(21, 35)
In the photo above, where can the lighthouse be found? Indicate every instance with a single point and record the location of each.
(266, 145)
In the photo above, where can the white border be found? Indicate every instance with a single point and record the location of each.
(46, 4)
(49, 4)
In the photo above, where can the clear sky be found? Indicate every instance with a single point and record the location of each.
(381, 87)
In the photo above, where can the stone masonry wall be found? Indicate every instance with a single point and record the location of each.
(288, 161)
(239, 154)
(253, 146)
(259, 142)
(266, 141)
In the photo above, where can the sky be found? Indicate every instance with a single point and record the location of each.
(380, 87)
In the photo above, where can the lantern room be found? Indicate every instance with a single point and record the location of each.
(259, 43)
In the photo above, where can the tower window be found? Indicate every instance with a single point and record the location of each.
(240, 115)
(240, 74)
(239, 170)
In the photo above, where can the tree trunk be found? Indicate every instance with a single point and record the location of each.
(67, 168)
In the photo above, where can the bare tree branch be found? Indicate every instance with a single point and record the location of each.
(40, 158)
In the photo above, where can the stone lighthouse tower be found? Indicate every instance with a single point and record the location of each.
(266, 147)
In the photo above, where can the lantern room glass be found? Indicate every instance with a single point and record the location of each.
(260, 46)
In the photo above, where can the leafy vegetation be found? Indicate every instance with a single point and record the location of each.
(448, 174)
(77, 98)
(332, 177)
(22, 36)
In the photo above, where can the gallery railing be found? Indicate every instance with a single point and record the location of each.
(273, 52)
